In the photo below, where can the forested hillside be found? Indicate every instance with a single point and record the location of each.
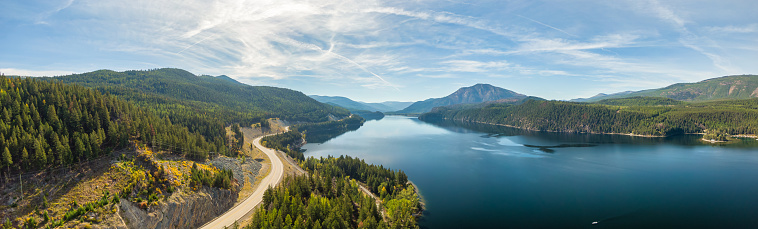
(346, 103)
(466, 95)
(726, 87)
(328, 196)
(45, 124)
(205, 104)
(321, 132)
(629, 116)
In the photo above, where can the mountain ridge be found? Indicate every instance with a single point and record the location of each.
(724, 87)
(353, 105)
(477, 93)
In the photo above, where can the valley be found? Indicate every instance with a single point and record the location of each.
(126, 150)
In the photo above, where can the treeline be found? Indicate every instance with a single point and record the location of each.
(205, 104)
(733, 117)
(328, 197)
(368, 115)
(44, 124)
(288, 142)
(640, 101)
(323, 131)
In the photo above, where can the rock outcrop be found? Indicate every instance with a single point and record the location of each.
(181, 210)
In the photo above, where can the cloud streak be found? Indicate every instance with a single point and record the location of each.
(385, 46)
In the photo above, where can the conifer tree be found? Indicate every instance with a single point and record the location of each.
(7, 159)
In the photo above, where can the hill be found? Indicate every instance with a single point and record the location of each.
(640, 101)
(726, 87)
(204, 104)
(240, 102)
(663, 117)
(474, 94)
(46, 124)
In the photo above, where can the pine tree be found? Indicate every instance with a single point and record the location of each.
(39, 155)
(79, 148)
(7, 160)
(24, 156)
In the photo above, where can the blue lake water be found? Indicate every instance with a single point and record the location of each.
(495, 177)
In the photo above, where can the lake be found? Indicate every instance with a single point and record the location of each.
(483, 176)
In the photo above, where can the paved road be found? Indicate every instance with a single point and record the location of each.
(273, 178)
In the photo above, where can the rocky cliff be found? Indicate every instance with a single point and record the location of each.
(181, 210)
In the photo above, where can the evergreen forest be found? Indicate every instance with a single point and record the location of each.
(46, 123)
(329, 196)
(639, 116)
(204, 104)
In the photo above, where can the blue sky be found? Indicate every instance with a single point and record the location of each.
(391, 50)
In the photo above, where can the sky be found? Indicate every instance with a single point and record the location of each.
(389, 50)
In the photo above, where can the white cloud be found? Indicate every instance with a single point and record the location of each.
(751, 28)
(382, 44)
(691, 40)
(474, 66)
(27, 72)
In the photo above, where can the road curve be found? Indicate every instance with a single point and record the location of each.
(273, 178)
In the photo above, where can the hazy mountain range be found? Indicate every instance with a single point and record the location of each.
(361, 106)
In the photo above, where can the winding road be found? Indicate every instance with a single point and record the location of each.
(239, 211)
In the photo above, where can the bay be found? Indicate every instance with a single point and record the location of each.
(484, 176)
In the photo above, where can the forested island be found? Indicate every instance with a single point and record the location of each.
(641, 116)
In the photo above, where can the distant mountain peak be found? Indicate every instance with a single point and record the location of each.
(227, 78)
(477, 93)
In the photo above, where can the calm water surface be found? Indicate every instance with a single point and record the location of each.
(495, 177)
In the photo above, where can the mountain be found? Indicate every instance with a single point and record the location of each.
(726, 87)
(227, 78)
(343, 102)
(474, 94)
(395, 105)
(601, 96)
(649, 116)
(353, 105)
(173, 91)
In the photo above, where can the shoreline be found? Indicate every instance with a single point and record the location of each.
(552, 131)
(601, 133)
(421, 200)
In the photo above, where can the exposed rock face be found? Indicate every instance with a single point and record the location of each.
(181, 210)
(242, 171)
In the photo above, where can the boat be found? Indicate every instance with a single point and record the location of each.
(595, 223)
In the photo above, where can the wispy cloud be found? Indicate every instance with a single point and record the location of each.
(751, 28)
(27, 72)
(549, 26)
(42, 18)
(385, 45)
(690, 39)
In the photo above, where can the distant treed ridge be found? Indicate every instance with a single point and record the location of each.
(639, 116)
